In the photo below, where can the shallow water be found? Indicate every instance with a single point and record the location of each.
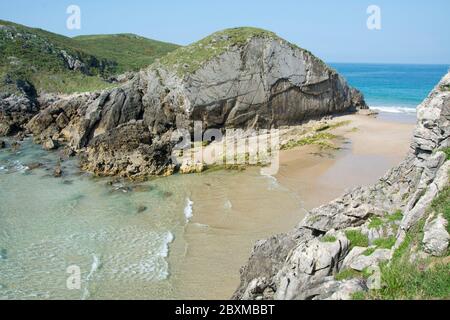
(163, 239)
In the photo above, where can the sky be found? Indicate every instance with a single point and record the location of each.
(412, 31)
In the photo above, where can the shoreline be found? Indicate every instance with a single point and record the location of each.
(217, 246)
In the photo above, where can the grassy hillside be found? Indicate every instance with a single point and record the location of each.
(55, 63)
(131, 52)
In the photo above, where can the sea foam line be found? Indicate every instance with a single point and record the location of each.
(394, 109)
(188, 210)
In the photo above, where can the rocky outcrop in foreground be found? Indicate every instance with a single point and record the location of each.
(362, 229)
(237, 78)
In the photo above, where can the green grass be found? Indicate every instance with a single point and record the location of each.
(131, 52)
(357, 239)
(385, 243)
(328, 238)
(441, 205)
(347, 274)
(321, 139)
(375, 223)
(369, 252)
(405, 281)
(396, 216)
(359, 296)
(447, 152)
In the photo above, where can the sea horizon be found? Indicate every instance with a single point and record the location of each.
(393, 88)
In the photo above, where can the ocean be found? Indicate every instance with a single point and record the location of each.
(395, 88)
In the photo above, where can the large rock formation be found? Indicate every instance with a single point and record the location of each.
(240, 78)
(301, 264)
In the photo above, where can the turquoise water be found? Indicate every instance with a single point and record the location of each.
(392, 87)
(160, 239)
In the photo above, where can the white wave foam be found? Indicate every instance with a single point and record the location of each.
(164, 252)
(188, 210)
(394, 109)
(228, 205)
(273, 182)
(94, 267)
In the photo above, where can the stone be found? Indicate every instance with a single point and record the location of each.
(15, 146)
(360, 261)
(50, 144)
(57, 172)
(5, 129)
(189, 167)
(436, 238)
(141, 209)
(2, 144)
(34, 165)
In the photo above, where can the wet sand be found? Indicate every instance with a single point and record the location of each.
(234, 210)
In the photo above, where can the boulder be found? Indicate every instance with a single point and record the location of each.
(50, 144)
(436, 238)
(358, 261)
(57, 172)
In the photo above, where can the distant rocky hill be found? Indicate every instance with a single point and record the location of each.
(55, 63)
(386, 241)
(236, 78)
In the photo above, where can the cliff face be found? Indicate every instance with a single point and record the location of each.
(240, 78)
(364, 227)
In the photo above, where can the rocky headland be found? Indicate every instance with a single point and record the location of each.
(380, 241)
(238, 78)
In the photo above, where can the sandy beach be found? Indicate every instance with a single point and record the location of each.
(217, 244)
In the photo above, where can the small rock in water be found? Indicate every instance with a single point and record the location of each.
(57, 173)
(3, 254)
(20, 136)
(34, 165)
(67, 182)
(167, 194)
(2, 144)
(50, 144)
(141, 209)
(15, 146)
(66, 153)
(141, 188)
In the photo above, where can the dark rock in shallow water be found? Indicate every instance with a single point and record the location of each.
(3, 254)
(57, 172)
(141, 209)
(2, 144)
(34, 165)
(142, 188)
(50, 144)
(15, 146)
(66, 153)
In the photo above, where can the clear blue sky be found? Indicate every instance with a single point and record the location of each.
(414, 31)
